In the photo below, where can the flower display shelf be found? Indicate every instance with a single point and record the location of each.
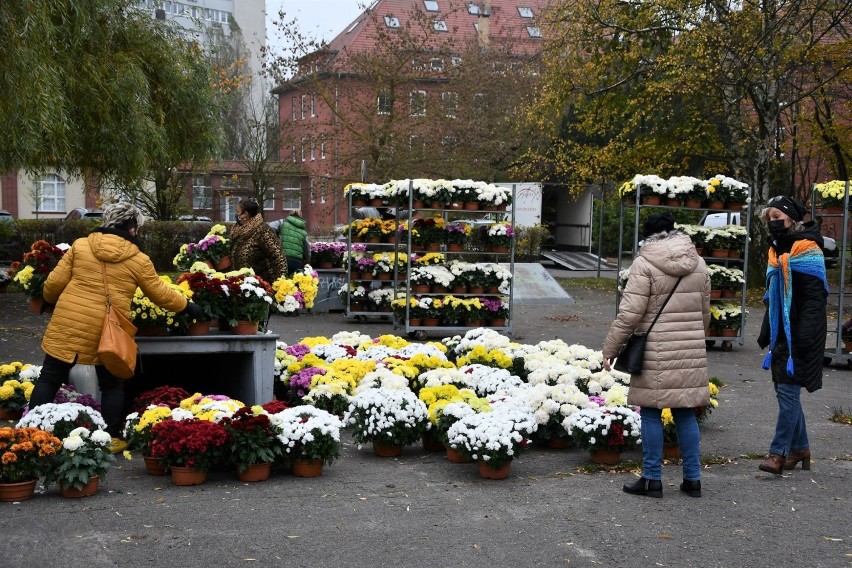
(739, 260)
(501, 254)
(835, 221)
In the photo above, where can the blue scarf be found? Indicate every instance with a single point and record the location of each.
(805, 258)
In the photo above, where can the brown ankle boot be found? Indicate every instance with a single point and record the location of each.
(772, 464)
(797, 456)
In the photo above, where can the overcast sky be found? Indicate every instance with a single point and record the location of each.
(320, 19)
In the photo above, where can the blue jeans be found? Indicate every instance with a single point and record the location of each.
(688, 437)
(790, 430)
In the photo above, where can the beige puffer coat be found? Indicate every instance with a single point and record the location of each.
(76, 286)
(674, 373)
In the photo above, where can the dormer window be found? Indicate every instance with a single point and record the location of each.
(534, 31)
(440, 26)
(525, 12)
(392, 21)
(473, 9)
(431, 5)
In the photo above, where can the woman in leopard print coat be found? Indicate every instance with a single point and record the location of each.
(255, 245)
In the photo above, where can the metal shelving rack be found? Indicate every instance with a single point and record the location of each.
(420, 332)
(745, 212)
(837, 356)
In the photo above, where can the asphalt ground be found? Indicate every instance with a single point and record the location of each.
(421, 510)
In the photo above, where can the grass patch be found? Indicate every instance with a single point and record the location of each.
(602, 284)
(841, 416)
(753, 456)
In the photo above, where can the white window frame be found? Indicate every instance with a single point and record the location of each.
(450, 103)
(313, 106)
(440, 26)
(392, 22)
(52, 189)
(228, 206)
(304, 139)
(322, 146)
(381, 105)
(304, 97)
(431, 5)
(436, 64)
(269, 202)
(295, 101)
(534, 31)
(525, 12)
(414, 108)
(473, 9)
(291, 198)
(313, 149)
(202, 193)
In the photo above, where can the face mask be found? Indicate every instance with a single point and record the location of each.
(777, 228)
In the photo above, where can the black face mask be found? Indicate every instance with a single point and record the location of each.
(777, 228)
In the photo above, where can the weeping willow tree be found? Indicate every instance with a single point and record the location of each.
(101, 88)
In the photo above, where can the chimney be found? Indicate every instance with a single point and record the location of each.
(484, 25)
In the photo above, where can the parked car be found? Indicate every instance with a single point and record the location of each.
(79, 213)
(196, 219)
(5, 215)
(829, 245)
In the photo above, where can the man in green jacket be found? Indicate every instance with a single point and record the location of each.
(294, 242)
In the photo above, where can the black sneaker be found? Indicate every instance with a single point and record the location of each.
(691, 488)
(646, 487)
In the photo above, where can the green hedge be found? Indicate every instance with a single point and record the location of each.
(160, 239)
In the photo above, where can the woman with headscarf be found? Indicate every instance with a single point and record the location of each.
(794, 325)
(674, 370)
(255, 244)
(76, 286)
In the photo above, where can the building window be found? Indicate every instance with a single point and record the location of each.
(534, 31)
(525, 12)
(456, 61)
(383, 103)
(392, 21)
(269, 201)
(295, 106)
(303, 106)
(418, 103)
(450, 104)
(440, 26)
(202, 193)
(437, 64)
(228, 206)
(322, 146)
(313, 106)
(304, 144)
(473, 9)
(313, 149)
(431, 5)
(294, 152)
(50, 191)
(291, 198)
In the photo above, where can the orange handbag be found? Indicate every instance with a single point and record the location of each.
(117, 347)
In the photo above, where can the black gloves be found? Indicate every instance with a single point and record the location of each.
(195, 312)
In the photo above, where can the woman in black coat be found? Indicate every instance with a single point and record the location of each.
(794, 326)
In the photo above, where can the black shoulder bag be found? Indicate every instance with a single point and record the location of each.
(631, 356)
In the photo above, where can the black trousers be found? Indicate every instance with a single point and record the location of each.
(54, 373)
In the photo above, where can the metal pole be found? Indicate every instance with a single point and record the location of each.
(602, 202)
(363, 171)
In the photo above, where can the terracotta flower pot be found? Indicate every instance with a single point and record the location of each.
(431, 442)
(487, 471)
(497, 322)
(715, 204)
(198, 328)
(738, 206)
(729, 294)
(606, 457)
(420, 288)
(456, 205)
(307, 468)
(452, 247)
(386, 451)
(185, 476)
(356, 307)
(476, 290)
(385, 276)
(459, 289)
(224, 264)
(557, 443)
(438, 289)
(415, 322)
(673, 202)
(436, 205)
(500, 249)
(692, 203)
(11, 414)
(22, 491)
(86, 491)
(719, 253)
(473, 323)
(255, 472)
(326, 265)
(376, 202)
(37, 303)
(359, 202)
(155, 466)
(651, 200)
(728, 332)
(244, 327)
(418, 204)
(671, 451)
(715, 293)
(455, 456)
(472, 206)
(431, 322)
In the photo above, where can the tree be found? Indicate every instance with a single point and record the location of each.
(98, 87)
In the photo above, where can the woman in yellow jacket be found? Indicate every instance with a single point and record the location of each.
(76, 286)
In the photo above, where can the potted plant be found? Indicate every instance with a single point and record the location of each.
(496, 311)
(605, 431)
(388, 418)
(494, 439)
(137, 432)
(250, 300)
(161, 396)
(380, 299)
(727, 318)
(61, 419)
(552, 404)
(189, 447)
(458, 235)
(718, 280)
(16, 387)
(254, 443)
(84, 458)
(651, 188)
(151, 319)
(310, 437)
(327, 254)
(27, 455)
(429, 233)
(31, 273)
(331, 397)
(499, 236)
(627, 192)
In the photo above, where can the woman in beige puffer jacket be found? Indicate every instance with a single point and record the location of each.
(674, 371)
(76, 286)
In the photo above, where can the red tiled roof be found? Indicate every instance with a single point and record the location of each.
(505, 22)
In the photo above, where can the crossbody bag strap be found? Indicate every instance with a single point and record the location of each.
(106, 284)
(663, 307)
